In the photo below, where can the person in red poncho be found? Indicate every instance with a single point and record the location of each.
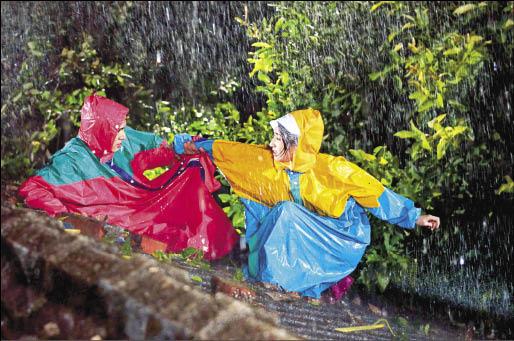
(99, 173)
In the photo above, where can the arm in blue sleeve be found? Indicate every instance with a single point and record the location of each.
(206, 145)
(180, 139)
(178, 142)
(396, 209)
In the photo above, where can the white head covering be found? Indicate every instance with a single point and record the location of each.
(288, 122)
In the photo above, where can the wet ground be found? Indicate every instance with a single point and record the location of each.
(313, 320)
(307, 319)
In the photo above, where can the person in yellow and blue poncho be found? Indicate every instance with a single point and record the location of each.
(305, 211)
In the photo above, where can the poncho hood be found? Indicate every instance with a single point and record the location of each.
(100, 119)
(310, 123)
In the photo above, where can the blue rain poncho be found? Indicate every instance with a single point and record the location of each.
(306, 222)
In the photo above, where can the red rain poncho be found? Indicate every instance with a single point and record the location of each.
(85, 177)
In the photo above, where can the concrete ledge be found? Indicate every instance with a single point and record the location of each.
(59, 285)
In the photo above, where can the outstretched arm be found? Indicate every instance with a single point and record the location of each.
(187, 144)
(397, 209)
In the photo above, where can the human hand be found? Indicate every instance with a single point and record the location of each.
(179, 141)
(197, 137)
(190, 148)
(428, 221)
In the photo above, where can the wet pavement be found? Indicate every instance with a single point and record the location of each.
(307, 319)
(311, 320)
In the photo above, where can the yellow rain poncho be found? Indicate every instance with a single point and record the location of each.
(326, 182)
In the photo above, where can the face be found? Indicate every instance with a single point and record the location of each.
(279, 149)
(119, 137)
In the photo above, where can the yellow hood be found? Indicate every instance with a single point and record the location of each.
(326, 182)
(309, 142)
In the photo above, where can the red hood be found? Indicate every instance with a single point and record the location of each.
(100, 119)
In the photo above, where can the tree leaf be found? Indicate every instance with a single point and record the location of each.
(508, 24)
(263, 77)
(382, 281)
(405, 134)
(375, 75)
(452, 51)
(439, 101)
(407, 26)
(279, 23)
(426, 328)
(429, 56)
(197, 279)
(441, 148)
(458, 130)
(426, 106)
(425, 144)
(261, 44)
(392, 35)
(464, 9)
(474, 57)
(285, 77)
(436, 121)
(379, 4)
(28, 85)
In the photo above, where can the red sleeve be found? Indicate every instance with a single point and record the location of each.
(150, 159)
(38, 194)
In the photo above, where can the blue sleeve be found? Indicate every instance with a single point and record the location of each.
(396, 209)
(180, 139)
(206, 145)
(178, 142)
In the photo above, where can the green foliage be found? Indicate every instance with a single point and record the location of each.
(506, 187)
(197, 279)
(298, 51)
(443, 137)
(163, 256)
(238, 275)
(234, 209)
(425, 328)
(403, 327)
(323, 55)
(385, 259)
(56, 103)
(190, 255)
(126, 248)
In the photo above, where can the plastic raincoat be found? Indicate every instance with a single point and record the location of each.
(85, 177)
(306, 222)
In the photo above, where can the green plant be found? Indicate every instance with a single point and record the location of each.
(238, 275)
(55, 104)
(234, 210)
(507, 187)
(190, 255)
(126, 248)
(423, 69)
